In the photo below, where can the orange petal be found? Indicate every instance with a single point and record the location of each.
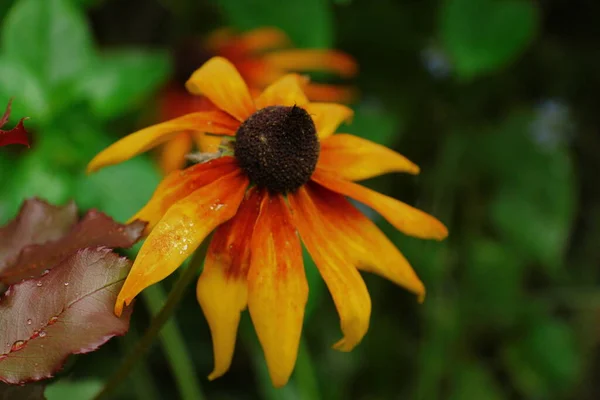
(313, 60)
(405, 218)
(207, 143)
(143, 140)
(354, 158)
(330, 93)
(173, 152)
(286, 91)
(218, 80)
(179, 184)
(180, 232)
(277, 288)
(328, 116)
(262, 39)
(347, 287)
(222, 288)
(364, 243)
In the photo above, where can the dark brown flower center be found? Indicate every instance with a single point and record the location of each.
(278, 148)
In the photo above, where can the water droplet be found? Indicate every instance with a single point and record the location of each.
(29, 322)
(42, 334)
(52, 320)
(39, 284)
(18, 345)
(66, 283)
(45, 272)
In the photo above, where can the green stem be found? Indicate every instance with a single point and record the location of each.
(155, 326)
(305, 374)
(141, 377)
(174, 347)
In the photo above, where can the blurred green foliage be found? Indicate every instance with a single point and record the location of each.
(494, 99)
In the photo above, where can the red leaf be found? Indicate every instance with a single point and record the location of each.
(35, 257)
(67, 311)
(17, 135)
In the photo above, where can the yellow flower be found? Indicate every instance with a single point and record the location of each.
(261, 56)
(282, 173)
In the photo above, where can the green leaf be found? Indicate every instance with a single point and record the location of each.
(473, 381)
(309, 23)
(545, 360)
(492, 282)
(120, 190)
(28, 94)
(66, 389)
(118, 81)
(50, 38)
(485, 35)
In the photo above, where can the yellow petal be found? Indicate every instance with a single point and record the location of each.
(354, 158)
(172, 153)
(222, 288)
(180, 232)
(145, 139)
(207, 143)
(179, 184)
(405, 218)
(364, 243)
(313, 60)
(277, 288)
(347, 287)
(220, 81)
(286, 91)
(328, 116)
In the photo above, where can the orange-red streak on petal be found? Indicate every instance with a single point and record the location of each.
(177, 235)
(313, 60)
(368, 247)
(277, 287)
(222, 84)
(222, 288)
(354, 158)
(347, 287)
(179, 184)
(405, 218)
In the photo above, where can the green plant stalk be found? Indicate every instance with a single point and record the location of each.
(155, 326)
(305, 375)
(142, 378)
(174, 347)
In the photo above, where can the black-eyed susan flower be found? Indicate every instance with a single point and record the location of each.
(261, 56)
(281, 176)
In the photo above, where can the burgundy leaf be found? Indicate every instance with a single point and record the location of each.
(37, 222)
(32, 391)
(95, 229)
(67, 311)
(17, 135)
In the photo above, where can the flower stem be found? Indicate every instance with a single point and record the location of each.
(174, 348)
(155, 326)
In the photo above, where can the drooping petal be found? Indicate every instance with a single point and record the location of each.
(313, 60)
(180, 232)
(286, 91)
(331, 93)
(143, 140)
(362, 240)
(277, 287)
(347, 287)
(405, 218)
(218, 80)
(354, 158)
(179, 184)
(328, 116)
(222, 289)
(262, 39)
(172, 156)
(207, 143)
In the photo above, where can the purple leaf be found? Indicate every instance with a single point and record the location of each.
(34, 258)
(67, 311)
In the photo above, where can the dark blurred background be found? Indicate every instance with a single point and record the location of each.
(496, 100)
